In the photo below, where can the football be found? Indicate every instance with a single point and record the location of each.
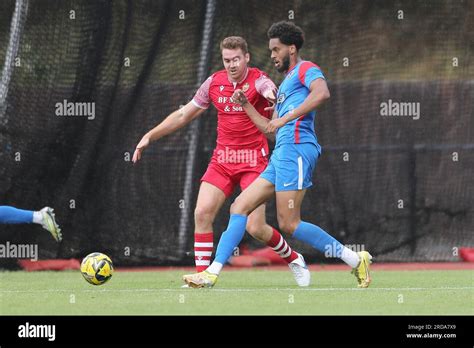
(97, 268)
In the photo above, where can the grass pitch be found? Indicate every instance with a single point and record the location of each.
(246, 292)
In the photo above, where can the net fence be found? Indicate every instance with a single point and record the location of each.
(400, 185)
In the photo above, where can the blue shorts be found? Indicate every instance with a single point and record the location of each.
(291, 166)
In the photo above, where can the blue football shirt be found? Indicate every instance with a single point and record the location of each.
(292, 92)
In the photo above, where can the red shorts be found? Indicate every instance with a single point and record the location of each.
(226, 176)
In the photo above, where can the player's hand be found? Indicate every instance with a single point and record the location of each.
(270, 108)
(137, 155)
(273, 125)
(239, 97)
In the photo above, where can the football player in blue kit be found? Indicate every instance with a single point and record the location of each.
(289, 173)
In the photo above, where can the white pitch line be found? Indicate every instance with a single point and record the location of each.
(235, 290)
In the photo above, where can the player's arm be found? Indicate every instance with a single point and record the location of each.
(271, 136)
(319, 93)
(267, 88)
(176, 120)
(258, 119)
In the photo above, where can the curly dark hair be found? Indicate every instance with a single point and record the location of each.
(288, 33)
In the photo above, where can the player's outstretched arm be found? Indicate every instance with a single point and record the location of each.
(319, 93)
(176, 120)
(259, 120)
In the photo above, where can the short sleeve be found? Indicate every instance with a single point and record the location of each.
(264, 85)
(309, 72)
(201, 99)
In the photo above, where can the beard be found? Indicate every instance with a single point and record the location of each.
(285, 64)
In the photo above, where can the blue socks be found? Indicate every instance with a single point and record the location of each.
(305, 232)
(231, 237)
(318, 239)
(10, 215)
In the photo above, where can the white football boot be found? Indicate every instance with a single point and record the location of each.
(300, 271)
(49, 223)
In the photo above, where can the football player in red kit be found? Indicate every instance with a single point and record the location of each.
(240, 156)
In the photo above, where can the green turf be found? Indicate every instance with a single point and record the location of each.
(238, 292)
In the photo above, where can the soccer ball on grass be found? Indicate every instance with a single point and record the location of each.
(97, 268)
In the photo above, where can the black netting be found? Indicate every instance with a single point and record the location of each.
(138, 61)
(6, 11)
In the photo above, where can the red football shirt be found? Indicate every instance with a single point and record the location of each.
(235, 130)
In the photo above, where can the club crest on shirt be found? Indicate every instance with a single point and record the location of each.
(221, 88)
(281, 98)
(292, 72)
(245, 87)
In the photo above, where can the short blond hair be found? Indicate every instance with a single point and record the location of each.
(234, 42)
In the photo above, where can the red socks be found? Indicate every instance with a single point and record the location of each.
(281, 247)
(203, 245)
